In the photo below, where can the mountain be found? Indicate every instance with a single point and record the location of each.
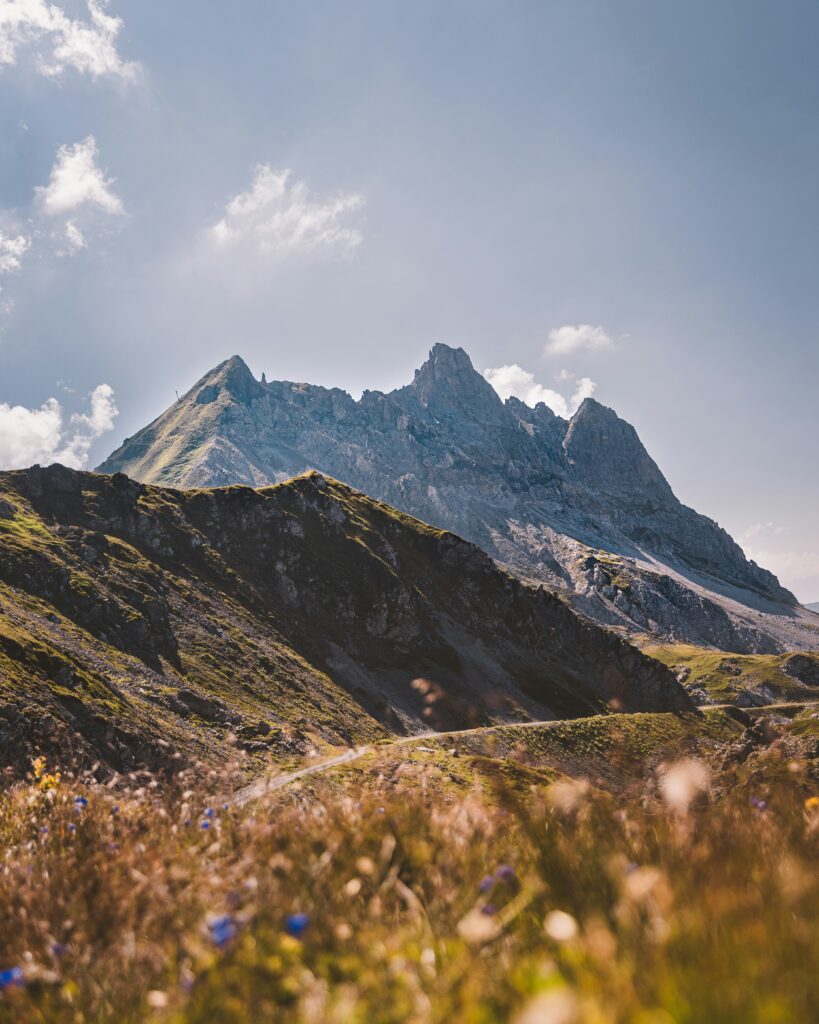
(813, 607)
(579, 506)
(139, 621)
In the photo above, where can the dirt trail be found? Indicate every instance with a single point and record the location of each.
(268, 785)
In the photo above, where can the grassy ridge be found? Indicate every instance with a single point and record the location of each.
(725, 677)
(138, 622)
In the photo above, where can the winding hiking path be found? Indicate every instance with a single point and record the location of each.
(269, 785)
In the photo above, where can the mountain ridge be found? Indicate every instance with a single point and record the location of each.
(137, 620)
(578, 505)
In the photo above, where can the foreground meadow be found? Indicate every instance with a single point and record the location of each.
(395, 896)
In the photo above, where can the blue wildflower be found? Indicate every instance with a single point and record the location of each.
(487, 884)
(80, 802)
(223, 930)
(72, 827)
(11, 978)
(205, 824)
(489, 909)
(209, 812)
(296, 925)
(505, 873)
(759, 803)
(58, 949)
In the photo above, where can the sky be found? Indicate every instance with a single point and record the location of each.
(608, 197)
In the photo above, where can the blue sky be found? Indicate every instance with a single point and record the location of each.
(484, 174)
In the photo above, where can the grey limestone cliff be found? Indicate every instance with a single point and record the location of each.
(579, 506)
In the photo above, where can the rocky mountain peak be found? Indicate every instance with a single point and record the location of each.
(448, 383)
(533, 490)
(606, 452)
(232, 377)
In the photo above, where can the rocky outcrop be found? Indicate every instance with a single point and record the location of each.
(139, 621)
(578, 505)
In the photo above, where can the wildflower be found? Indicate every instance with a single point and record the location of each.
(223, 930)
(296, 925)
(758, 803)
(683, 783)
(58, 949)
(205, 824)
(479, 927)
(560, 926)
(209, 812)
(487, 884)
(812, 803)
(489, 909)
(72, 827)
(11, 978)
(558, 1006)
(80, 803)
(505, 873)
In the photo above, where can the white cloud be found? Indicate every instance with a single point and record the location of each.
(12, 250)
(277, 218)
(74, 237)
(572, 338)
(29, 436)
(60, 42)
(77, 182)
(513, 380)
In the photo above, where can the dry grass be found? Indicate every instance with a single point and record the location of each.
(554, 904)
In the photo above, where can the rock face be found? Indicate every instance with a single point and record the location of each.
(135, 621)
(578, 505)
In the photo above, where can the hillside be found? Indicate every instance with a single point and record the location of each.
(140, 622)
(747, 680)
(579, 506)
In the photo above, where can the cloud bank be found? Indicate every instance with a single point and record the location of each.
(60, 42)
(29, 436)
(277, 218)
(572, 338)
(513, 381)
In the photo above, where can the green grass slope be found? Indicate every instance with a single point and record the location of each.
(744, 679)
(139, 623)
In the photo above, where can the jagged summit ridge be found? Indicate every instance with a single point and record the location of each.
(544, 495)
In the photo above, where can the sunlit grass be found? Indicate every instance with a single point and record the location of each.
(363, 900)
